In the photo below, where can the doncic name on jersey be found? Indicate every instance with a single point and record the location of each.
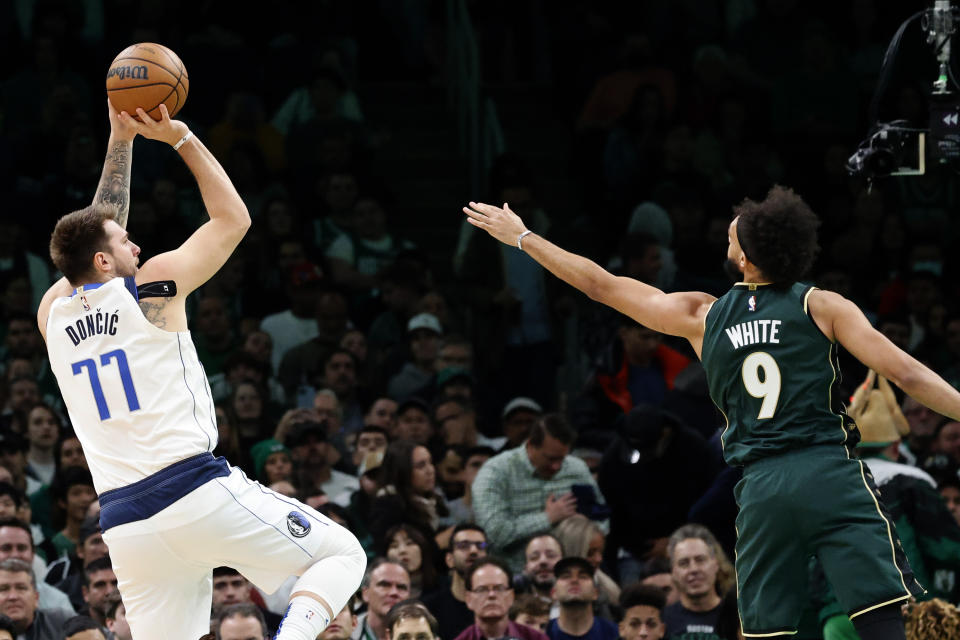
(96, 323)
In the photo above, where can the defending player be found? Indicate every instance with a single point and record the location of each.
(769, 349)
(138, 397)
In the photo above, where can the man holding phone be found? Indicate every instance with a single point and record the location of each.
(527, 490)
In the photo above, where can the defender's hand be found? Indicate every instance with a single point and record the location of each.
(502, 223)
(164, 130)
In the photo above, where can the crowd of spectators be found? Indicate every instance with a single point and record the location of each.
(431, 411)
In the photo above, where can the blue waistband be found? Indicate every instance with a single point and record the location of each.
(153, 494)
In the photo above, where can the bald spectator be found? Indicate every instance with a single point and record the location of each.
(525, 491)
(19, 599)
(385, 583)
(490, 596)
(241, 621)
(16, 541)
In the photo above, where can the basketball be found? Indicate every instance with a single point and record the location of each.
(147, 75)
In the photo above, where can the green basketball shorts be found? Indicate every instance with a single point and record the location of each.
(813, 502)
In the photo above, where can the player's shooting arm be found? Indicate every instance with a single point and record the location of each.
(843, 321)
(204, 252)
(114, 188)
(678, 314)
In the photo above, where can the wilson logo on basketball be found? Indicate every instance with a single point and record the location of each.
(138, 72)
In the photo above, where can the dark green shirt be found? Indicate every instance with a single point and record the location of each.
(772, 373)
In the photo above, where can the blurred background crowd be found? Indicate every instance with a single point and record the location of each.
(434, 391)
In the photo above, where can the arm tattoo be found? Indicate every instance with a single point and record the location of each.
(153, 311)
(114, 187)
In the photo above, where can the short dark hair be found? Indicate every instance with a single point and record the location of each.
(16, 523)
(7, 489)
(225, 571)
(100, 564)
(642, 594)
(465, 526)
(76, 238)
(778, 235)
(487, 562)
(406, 609)
(76, 624)
(530, 604)
(70, 477)
(556, 426)
(113, 608)
(241, 610)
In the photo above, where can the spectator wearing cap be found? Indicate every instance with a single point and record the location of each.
(490, 595)
(517, 418)
(18, 601)
(310, 451)
(652, 448)
(401, 286)
(297, 324)
(66, 573)
(272, 461)
(302, 364)
(455, 382)
(527, 490)
(461, 509)
(16, 541)
(413, 421)
(423, 335)
(575, 591)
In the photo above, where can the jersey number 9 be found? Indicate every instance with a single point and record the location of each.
(768, 388)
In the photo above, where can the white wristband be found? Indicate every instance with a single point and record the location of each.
(520, 238)
(177, 146)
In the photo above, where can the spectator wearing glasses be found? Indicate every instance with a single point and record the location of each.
(490, 596)
(468, 546)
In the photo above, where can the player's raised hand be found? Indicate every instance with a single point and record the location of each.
(120, 128)
(502, 223)
(164, 129)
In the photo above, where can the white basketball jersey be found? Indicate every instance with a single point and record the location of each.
(137, 395)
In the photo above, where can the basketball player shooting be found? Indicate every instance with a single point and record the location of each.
(138, 398)
(769, 349)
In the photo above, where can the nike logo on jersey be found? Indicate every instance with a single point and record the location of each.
(754, 332)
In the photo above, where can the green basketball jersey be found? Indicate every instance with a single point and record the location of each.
(772, 373)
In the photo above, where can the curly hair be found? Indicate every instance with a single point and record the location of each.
(778, 235)
(934, 619)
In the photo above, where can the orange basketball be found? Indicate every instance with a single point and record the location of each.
(147, 75)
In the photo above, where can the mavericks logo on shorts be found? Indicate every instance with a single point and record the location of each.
(298, 524)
